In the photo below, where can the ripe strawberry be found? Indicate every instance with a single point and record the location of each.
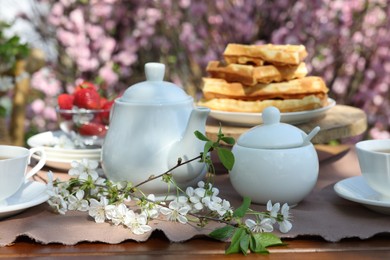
(87, 98)
(103, 101)
(105, 116)
(86, 84)
(90, 129)
(65, 101)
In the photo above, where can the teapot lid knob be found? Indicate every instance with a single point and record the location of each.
(271, 115)
(155, 90)
(154, 71)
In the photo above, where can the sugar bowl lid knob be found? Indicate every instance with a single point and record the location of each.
(271, 115)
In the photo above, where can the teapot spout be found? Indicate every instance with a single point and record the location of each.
(196, 122)
(189, 147)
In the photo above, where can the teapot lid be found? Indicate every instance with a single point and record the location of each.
(272, 134)
(154, 90)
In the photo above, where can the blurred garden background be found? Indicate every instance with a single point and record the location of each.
(109, 41)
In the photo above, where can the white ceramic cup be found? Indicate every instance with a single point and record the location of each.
(13, 168)
(374, 162)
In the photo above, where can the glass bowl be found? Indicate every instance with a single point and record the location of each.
(85, 127)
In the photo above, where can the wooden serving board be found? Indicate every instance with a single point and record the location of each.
(338, 122)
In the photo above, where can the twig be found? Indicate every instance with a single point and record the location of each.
(179, 163)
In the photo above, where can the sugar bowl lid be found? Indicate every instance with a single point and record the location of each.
(273, 134)
(154, 90)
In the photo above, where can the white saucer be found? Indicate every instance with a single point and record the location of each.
(356, 189)
(32, 193)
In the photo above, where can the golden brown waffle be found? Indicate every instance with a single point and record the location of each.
(259, 54)
(297, 88)
(251, 75)
(289, 105)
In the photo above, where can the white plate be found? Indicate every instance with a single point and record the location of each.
(32, 193)
(252, 119)
(356, 189)
(48, 139)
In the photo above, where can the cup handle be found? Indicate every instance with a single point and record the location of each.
(39, 165)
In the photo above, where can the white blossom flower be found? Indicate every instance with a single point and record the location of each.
(176, 212)
(201, 184)
(50, 178)
(150, 207)
(200, 192)
(84, 168)
(264, 225)
(58, 204)
(64, 142)
(225, 207)
(182, 200)
(117, 213)
(273, 209)
(97, 209)
(57, 198)
(194, 199)
(137, 222)
(215, 191)
(285, 225)
(77, 201)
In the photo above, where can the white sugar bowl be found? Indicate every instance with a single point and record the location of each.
(275, 161)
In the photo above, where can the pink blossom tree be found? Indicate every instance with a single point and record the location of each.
(109, 41)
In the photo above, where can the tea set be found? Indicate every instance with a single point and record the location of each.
(152, 125)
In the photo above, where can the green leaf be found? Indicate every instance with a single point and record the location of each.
(241, 210)
(207, 146)
(268, 239)
(223, 233)
(201, 136)
(244, 243)
(226, 157)
(220, 134)
(228, 140)
(256, 247)
(235, 243)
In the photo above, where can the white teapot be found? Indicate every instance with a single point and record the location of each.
(151, 126)
(275, 161)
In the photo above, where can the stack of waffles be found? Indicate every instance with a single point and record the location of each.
(253, 77)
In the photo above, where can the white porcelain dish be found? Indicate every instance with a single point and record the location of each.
(60, 158)
(357, 190)
(32, 193)
(269, 162)
(48, 139)
(252, 119)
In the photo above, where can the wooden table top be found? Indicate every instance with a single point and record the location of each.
(339, 122)
(201, 248)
